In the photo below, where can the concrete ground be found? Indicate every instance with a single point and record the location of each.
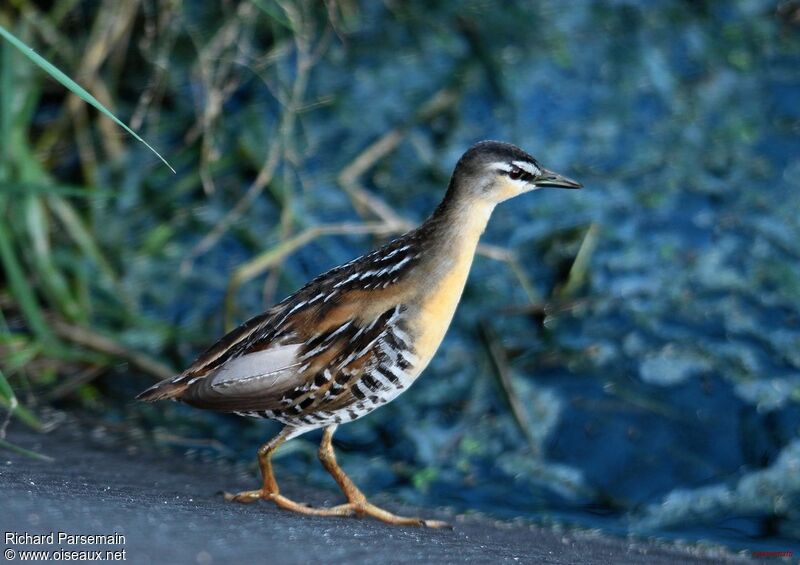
(169, 511)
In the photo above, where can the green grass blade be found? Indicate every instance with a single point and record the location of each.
(82, 237)
(8, 401)
(6, 391)
(271, 10)
(19, 188)
(20, 288)
(5, 110)
(17, 351)
(53, 282)
(24, 415)
(73, 86)
(26, 452)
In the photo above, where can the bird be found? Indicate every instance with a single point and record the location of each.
(357, 336)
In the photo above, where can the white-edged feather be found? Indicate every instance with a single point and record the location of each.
(250, 370)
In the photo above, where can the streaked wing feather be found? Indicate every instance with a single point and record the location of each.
(252, 367)
(231, 345)
(258, 370)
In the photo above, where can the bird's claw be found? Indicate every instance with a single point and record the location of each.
(435, 524)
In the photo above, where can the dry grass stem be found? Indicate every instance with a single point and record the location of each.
(306, 56)
(502, 372)
(92, 340)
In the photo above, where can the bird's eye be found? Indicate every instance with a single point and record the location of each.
(516, 173)
(520, 174)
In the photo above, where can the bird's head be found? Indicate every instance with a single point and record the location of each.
(494, 171)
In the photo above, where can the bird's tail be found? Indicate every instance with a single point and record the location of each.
(173, 387)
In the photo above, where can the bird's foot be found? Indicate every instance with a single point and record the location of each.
(358, 508)
(367, 509)
(246, 496)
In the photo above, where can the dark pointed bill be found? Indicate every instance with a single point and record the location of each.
(551, 179)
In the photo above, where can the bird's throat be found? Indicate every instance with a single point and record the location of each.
(453, 246)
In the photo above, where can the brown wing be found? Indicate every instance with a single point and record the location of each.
(300, 374)
(261, 364)
(230, 346)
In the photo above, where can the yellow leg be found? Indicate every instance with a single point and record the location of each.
(270, 485)
(357, 502)
(270, 491)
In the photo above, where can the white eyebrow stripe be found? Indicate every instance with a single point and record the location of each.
(502, 166)
(527, 167)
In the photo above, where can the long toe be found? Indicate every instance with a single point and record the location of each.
(389, 518)
(302, 508)
(359, 508)
(245, 497)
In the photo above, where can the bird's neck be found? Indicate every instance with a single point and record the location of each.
(458, 222)
(451, 236)
(454, 230)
